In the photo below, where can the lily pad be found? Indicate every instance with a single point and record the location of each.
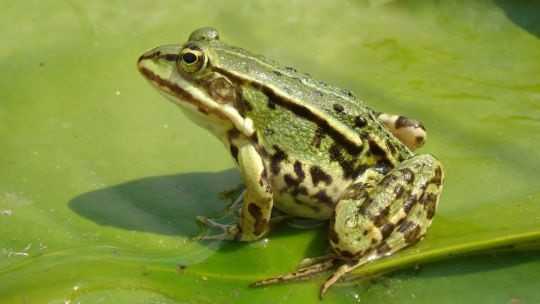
(101, 179)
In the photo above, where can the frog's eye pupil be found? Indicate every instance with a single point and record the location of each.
(189, 58)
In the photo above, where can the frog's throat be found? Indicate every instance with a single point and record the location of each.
(194, 99)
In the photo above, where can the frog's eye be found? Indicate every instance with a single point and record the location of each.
(191, 60)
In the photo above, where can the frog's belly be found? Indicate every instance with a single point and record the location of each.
(302, 207)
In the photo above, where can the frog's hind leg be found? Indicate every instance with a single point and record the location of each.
(306, 270)
(409, 131)
(373, 221)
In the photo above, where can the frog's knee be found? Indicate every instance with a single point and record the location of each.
(351, 232)
(409, 131)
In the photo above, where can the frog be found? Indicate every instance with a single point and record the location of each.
(305, 148)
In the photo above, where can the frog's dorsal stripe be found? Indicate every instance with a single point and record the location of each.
(292, 74)
(351, 141)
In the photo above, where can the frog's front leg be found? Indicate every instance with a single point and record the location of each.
(254, 221)
(373, 222)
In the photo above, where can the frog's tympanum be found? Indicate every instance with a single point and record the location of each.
(306, 148)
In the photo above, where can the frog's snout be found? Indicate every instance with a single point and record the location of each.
(148, 55)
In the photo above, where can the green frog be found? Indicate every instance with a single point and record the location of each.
(306, 148)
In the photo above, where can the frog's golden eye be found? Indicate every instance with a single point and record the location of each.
(191, 60)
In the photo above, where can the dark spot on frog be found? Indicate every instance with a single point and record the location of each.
(349, 93)
(405, 226)
(429, 200)
(386, 230)
(276, 159)
(256, 213)
(290, 181)
(300, 190)
(412, 235)
(319, 134)
(398, 191)
(365, 205)
(263, 181)
(42, 64)
(355, 191)
(271, 104)
(234, 152)
(403, 121)
(338, 108)
(290, 69)
(409, 203)
(318, 175)
(392, 148)
(376, 149)
(268, 132)
(299, 171)
(360, 122)
(335, 153)
(383, 248)
(388, 180)
(381, 218)
(233, 134)
(350, 169)
(241, 104)
(437, 178)
(408, 175)
(322, 197)
(277, 73)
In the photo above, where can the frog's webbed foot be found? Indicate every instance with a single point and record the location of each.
(310, 267)
(409, 131)
(233, 197)
(306, 269)
(343, 270)
(229, 232)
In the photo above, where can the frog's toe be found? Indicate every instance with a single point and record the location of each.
(229, 232)
(299, 274)
(409, 131)
(311, 261)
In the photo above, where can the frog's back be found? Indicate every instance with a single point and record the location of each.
(317, 109)
(294, 85)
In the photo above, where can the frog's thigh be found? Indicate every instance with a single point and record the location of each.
(392, 214)
(257, 205)
(409, 131)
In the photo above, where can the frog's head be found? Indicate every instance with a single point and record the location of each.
(184, 74)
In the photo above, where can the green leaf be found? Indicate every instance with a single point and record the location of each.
(101, 178)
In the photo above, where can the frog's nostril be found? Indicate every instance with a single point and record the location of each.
(152, 54)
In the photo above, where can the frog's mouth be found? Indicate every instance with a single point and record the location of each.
(159, 68)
